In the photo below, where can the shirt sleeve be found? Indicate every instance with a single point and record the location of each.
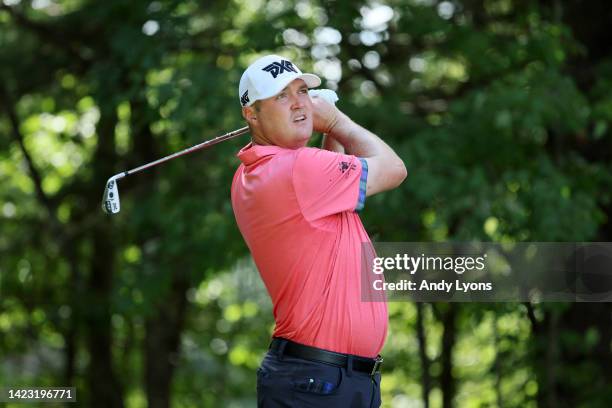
(328, 183)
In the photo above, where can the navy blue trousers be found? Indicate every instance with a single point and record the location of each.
(284, 381)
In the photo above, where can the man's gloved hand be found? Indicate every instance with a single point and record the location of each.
(325, 113)
(327, 94)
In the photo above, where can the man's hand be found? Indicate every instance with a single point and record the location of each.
(325, 115)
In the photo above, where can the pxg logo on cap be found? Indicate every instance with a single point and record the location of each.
(277, 68)
(267, 76)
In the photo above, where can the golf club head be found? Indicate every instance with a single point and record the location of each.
(110, 199)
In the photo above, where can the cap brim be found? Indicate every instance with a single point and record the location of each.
(311, 80)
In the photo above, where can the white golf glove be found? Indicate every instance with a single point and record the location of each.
(327, 94)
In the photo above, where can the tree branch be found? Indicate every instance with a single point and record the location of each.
(535, 325)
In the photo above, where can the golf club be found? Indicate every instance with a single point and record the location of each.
(110, 199)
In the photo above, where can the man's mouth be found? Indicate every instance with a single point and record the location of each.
(299, 118)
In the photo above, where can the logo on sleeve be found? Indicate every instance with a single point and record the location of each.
(346, 167)
(277, 68)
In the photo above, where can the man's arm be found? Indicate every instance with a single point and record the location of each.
(331, 144)
(328, 143)
(386, 170)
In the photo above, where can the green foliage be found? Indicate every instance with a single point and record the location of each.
(504, 128)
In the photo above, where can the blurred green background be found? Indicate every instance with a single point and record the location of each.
(501, 110)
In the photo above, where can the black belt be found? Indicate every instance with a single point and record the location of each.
(366, 365)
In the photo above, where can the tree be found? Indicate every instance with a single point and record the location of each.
(500, 109)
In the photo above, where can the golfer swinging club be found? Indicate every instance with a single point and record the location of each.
(296, 208)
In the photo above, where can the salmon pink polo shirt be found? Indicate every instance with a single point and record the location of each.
(296, 209)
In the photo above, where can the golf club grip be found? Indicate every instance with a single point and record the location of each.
(192, 149)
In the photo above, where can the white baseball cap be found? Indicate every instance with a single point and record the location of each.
(268, 76)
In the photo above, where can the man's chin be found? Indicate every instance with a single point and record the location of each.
(305, 136)
(307, 129)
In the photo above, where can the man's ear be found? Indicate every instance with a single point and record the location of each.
(249, 114)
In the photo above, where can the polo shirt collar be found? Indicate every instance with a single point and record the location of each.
(250, 153)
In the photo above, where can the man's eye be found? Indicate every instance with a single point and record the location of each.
(281, 95)
(304, 90)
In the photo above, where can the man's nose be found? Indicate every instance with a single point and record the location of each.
(296, 101)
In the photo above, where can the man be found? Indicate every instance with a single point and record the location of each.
(296, 209)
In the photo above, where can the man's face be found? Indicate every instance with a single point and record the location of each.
(283, 120)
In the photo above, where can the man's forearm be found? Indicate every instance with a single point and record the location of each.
(357, 140)
(386, 170)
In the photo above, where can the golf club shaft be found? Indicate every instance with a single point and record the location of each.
(110, 198)
(192, 149)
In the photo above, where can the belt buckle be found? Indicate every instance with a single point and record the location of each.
(376, 366)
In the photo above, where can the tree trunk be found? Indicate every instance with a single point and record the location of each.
(552, 360)
(425, 379)
(104, 387)
(447, 382)
(70, 333)
(497, 366)
(162, 341)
